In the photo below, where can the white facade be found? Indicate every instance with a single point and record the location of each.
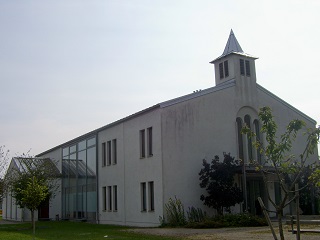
(137, 163)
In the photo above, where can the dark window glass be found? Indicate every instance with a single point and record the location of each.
(247, 68)
(114, 151)
(109, 152)
(242, 67)
(109, 198)
(247, 121)
(143, 197)
(258, 139)
(149, 138)
(151, 196)
(240, 141)
(115, 198)
(142, 144)
(104, 156)
(104, 198)
(226, 68)
(221, 70)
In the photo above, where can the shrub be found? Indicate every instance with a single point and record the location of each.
(229, 220)
(175, 214)
(240, 220)
(196, 215)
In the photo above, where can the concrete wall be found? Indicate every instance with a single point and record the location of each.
(131, 170)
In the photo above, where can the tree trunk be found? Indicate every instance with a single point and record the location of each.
(33, 225)
(279, 213)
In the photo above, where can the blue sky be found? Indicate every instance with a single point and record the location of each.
(68, 67)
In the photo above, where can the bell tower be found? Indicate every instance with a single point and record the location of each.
(234, 64)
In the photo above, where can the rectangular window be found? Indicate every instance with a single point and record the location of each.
(242, 67)
(142, 144)
(104, 157)
(221, 70)
(104, 198)
(277, 192)
(109, 198)
(226, 69)
(143, 197)
(151, 195)
(149, 139)
(109, 152)
(114, 151)
(115, 198)
(247, 68)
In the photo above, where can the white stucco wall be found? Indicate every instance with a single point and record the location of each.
(130, 171)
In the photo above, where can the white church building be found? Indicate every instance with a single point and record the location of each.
(125, 172)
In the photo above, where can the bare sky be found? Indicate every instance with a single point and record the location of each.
(68, 67)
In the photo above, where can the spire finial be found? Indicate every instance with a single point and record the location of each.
(232, 45)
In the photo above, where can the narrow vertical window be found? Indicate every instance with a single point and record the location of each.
(149, 140)
(104, 157)
(226, 68)
(240, 141)
(247, 121)
(221, 70)
(151, 196)
(247, 68)
(143, 197)
(109, 198)
(258, 139)
(277, 192)
(104, 198)
(142, 144)
(109, 152)
(242, 67)
(115, 198)
(114, 151)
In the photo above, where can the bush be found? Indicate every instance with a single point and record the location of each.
(175, 214)
(230, 220)
(196, 215)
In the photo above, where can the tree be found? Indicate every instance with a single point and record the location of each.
(279, 164)
(30, 193)
(32, 181)
(4, 156)
(218, 180)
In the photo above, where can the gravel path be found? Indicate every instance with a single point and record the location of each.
(257, 233)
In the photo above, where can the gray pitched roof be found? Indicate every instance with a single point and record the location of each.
(232, 45)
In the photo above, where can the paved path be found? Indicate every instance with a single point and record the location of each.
(256, 233)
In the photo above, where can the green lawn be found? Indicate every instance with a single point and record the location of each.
(70, 230)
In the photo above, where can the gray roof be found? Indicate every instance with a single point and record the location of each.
(233, 47)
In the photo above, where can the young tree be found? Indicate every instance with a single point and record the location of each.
(4, 160)
(31, 181)
(30, 192)
(280, 165)
(218, 180)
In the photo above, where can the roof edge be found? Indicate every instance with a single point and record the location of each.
(286, 104)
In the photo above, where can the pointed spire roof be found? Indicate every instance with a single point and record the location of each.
(232, 45)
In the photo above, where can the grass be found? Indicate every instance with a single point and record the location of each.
(71, 230)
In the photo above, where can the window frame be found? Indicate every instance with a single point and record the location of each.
(151, 196)
(150, 142)
(104, 198)
(221, 73)
(104, 154)
(114, 151)
(143, 189)
(115, 198)
(142, 141)
(109, 201)
(109, 153)
(226, 68)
